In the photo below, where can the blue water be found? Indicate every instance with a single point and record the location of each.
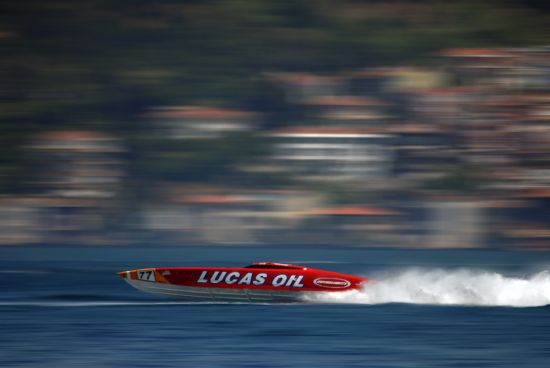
(66, 307)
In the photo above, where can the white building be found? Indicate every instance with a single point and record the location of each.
(333, 154)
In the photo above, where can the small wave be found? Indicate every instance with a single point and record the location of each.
(448, 287)
(82, 304)
(24, 272)
(79, 300)
(73, 297)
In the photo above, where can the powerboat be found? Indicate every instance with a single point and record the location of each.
(259, 282)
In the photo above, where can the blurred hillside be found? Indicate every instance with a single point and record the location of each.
(383, 123)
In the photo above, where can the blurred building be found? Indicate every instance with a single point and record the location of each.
(527, 224)
(301, 87)
(387, 81)
(346, 111)
(424, 151)
(481, 66)
(78, 164)
(186, 122)
(20, 221)
(332, 154)
(352, 224)
(220, 215)
(449, 105)
(455, 223)
(76, 183)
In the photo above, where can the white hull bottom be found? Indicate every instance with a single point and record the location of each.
(218, 294)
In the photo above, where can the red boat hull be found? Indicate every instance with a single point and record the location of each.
(259, 282)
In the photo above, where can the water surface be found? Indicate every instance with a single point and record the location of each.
(65, 306)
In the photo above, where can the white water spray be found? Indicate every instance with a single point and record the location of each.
(448, 287)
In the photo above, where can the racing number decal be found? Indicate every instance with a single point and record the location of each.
(146, 275)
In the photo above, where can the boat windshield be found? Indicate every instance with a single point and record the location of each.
(273, 265)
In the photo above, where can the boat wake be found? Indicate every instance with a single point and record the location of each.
(448, 287)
